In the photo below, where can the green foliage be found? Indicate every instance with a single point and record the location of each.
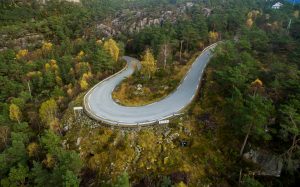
(251, 182)
(122, 181)
(66, 167)
(16, 153)
(17, 176)
(166, 182)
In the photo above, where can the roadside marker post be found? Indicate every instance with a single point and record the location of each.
(79, 110)
(164, 122)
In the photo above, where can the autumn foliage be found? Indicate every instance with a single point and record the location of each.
(112, 48)
(148, 64)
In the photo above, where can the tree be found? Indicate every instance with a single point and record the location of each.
(256, 114)
(148, 64)
(22, 54)
(17, 176)
(165, 53)
(63, 166)
(213, 36)
(16, 153)
(15, 113)
(32, 149)
(290, 129)
(166, 182)
(112, 48)
(47, 46)
(4, 136)
(83, 84)
(181, 184)
(101, 61)
(249, 23)
(84, 80)
(48, 111)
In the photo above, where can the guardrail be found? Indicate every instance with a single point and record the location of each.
(94, 116)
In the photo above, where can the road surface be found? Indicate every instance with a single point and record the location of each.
(99, 104)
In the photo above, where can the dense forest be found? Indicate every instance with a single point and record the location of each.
(52, 52)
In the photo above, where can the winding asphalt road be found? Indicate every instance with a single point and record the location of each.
(99, 104)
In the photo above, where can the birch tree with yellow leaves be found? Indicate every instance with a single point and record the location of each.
(48, 111)
(112, 48)
(213, 36)
(15, 113)
(148, 64)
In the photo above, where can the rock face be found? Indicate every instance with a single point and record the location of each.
(269, 164)
(27, 41)
(74, 1)
(131, 21)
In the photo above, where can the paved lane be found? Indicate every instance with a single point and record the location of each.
(99, 105)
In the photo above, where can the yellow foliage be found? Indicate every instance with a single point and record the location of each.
(29, 62)
(249, 23)
(58, 80)
(296, 14)
(21, 54)
(82, 67)
(15, 113)
(213, 36)
(84, 85)
(148, 64)
(84, 80)
(99, 42)
(47, 46)
(48, 111)
(80, 55)
(52, 66)
(47, 67)
(34, 74)
(201, 45)
(181, 184)
(253, 14)
(113, 49)
(32, 149)
(49, 161)
(70, 92)
(52, 62)
(257, 82)
(249, 15)
(54, 125)
(87, 76)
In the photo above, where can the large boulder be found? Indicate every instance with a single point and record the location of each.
(268, 164)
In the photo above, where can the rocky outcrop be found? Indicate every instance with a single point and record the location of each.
(131, 21)
(73, 1)
(268, 164)
(29, 40)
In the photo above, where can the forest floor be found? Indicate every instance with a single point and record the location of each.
(138, 90)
